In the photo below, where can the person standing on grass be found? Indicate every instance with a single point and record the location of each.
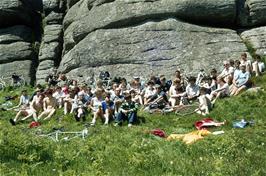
(127, 111)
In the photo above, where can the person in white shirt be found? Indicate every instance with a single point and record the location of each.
(205, 104)
(191, 93)
(227, 73)
(246, 62)
(258, 66)
(96, 106)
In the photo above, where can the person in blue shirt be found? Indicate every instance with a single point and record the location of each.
(243, 81)
(108, 107)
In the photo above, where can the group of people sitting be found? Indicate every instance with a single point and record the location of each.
(122, 100)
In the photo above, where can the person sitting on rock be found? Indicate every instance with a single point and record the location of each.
(127, 111)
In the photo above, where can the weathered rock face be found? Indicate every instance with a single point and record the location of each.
(159, 47)
(126, 13)
(257, 38)
(16, 52)
(14, 12)
(252, 12)
(52, 41)
(127, 37)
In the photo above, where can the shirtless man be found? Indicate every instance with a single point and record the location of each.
(49, 105)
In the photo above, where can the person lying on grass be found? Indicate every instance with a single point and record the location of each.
(49, 105)
(127, 111)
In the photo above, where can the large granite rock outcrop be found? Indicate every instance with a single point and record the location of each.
(16, 52)
(252, 12)
(14, 12)
(88, 15)
(52, 41)
(257, 39)
(159, 47)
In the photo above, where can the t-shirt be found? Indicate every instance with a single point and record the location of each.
(242, 78)
(24, 100)
(109, 105)
(192, 90)
(236, 73)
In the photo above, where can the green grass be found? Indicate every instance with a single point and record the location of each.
(123, 151)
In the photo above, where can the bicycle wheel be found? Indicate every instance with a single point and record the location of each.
(186, 110)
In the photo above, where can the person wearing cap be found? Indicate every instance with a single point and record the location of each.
(127, 111)
(227, 72)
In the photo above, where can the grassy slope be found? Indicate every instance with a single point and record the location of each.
(123, 151)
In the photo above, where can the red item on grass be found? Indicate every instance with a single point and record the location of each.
(158, 132)
(34, 124)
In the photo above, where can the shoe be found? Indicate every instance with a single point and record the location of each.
(129, 125)
(116, 124)
(12, 122)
